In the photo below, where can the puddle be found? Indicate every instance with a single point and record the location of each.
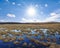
(10, 35)
(44, 30)
(15, 30)
(33, 32)
(56, 33)
(24, 36)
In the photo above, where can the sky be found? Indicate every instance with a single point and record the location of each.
(29, 10)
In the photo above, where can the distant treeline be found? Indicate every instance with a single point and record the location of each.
(29, 23)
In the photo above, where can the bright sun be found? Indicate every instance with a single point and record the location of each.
(31, 11)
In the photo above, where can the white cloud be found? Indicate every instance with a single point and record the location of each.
(37, 5)
(53, 16)
(19, 4)
(46, 5)
(42, 12)
(7, 0)
(1, 20)
(24, 20)
(13, 3)
(11, 15)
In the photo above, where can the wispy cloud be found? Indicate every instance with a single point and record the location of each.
(29, 20)
(7, 0)
(25, 20)
(13, 3)
(37, 5)
(1, 20)
(11, 15)
(53, 16)
(46, 5)
(19, 4)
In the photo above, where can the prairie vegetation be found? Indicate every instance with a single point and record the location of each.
(30, 35)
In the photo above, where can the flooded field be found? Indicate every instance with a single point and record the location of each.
(30, 35)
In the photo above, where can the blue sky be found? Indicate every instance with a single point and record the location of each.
(16, 10)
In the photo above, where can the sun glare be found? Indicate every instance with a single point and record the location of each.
(31, 11)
